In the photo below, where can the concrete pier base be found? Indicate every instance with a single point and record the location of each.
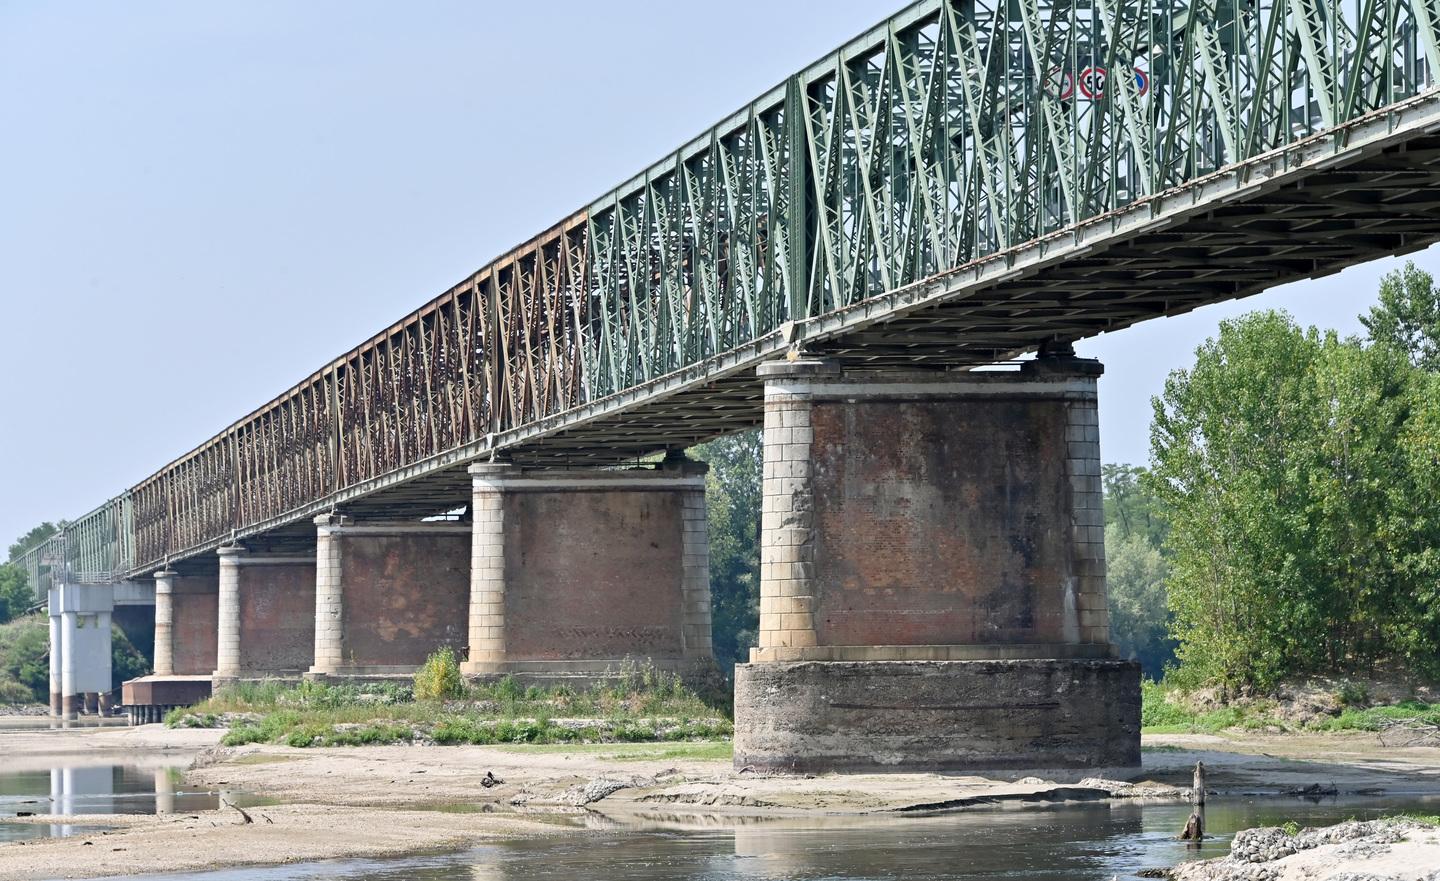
(1007, 716)
(82, 649)
(149, 698)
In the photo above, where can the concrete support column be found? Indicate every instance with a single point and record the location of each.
(164, 623)
(487, 570)
(787, 549)
(227, 632)
(84, 645)
(329, 596)
(72, 698)
(57, 652)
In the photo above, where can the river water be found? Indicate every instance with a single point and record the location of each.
(1089, 842)
(77, 783)
(1082, 842)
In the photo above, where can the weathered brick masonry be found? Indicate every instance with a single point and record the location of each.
(276, 615)
(576, 570)
(194, 601)
(929, 517)
(388, 594)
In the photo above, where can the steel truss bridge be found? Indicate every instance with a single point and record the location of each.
(962, 182)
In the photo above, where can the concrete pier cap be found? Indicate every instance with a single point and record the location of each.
(933, 576)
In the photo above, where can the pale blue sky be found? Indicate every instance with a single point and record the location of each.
(201, 203)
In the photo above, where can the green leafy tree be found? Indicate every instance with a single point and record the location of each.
(1131, 506)
(1139, 617)
(1408, 316)
(33, 538)
(1286, 463)
(126, 661)
(733, 496)
(25, 656)
(16, 596)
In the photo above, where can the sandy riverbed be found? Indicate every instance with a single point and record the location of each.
(377, 801)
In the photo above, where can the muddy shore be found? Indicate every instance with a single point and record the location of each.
(392, 800)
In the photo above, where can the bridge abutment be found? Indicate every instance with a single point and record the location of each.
(574, 572)
(387, 594)
(933, 575)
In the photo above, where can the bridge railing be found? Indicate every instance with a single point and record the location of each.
(99, 548)
(43, 564)
(954, 130)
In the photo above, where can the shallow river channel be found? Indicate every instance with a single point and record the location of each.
(1077, 843)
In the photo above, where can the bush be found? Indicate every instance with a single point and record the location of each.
(439, 679)
(12, 692)
(1156, 711)
(1354, 694)
(25, 656)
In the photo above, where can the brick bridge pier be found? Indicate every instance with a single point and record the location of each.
(559, 575)
(933, 575)
(932, 584)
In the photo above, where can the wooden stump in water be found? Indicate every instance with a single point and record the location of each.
(1194, 831)
(1194, 827)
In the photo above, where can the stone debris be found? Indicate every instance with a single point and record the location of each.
(599, 788)
(1369, 850)
(1140, 789)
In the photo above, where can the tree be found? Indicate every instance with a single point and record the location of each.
(1139, 616)
(1136, 568)
(1130, 505)
(25, 656)
(16, 595)
(1289, 467)
(33, 538)
(1408, 316)
(733, 495)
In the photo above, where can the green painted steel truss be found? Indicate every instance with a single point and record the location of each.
(949, 133)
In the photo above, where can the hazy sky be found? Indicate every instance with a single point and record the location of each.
(201, 203)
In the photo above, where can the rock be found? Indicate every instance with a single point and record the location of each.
(1140, 789)
(599, 788)
(1269, 854)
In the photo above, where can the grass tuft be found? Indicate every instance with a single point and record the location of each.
(642, 705)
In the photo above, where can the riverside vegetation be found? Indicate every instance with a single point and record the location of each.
(641, 704)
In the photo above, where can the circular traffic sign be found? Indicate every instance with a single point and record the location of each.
(1092, 82)
(1060, 83)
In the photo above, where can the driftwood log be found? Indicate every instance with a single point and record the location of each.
(1413, 731)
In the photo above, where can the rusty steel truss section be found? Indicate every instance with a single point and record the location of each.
(960, 183)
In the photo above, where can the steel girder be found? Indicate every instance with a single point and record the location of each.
(954, 132)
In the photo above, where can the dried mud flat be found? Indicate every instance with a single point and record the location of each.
(393, 800)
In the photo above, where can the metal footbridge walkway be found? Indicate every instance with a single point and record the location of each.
(957, 185)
